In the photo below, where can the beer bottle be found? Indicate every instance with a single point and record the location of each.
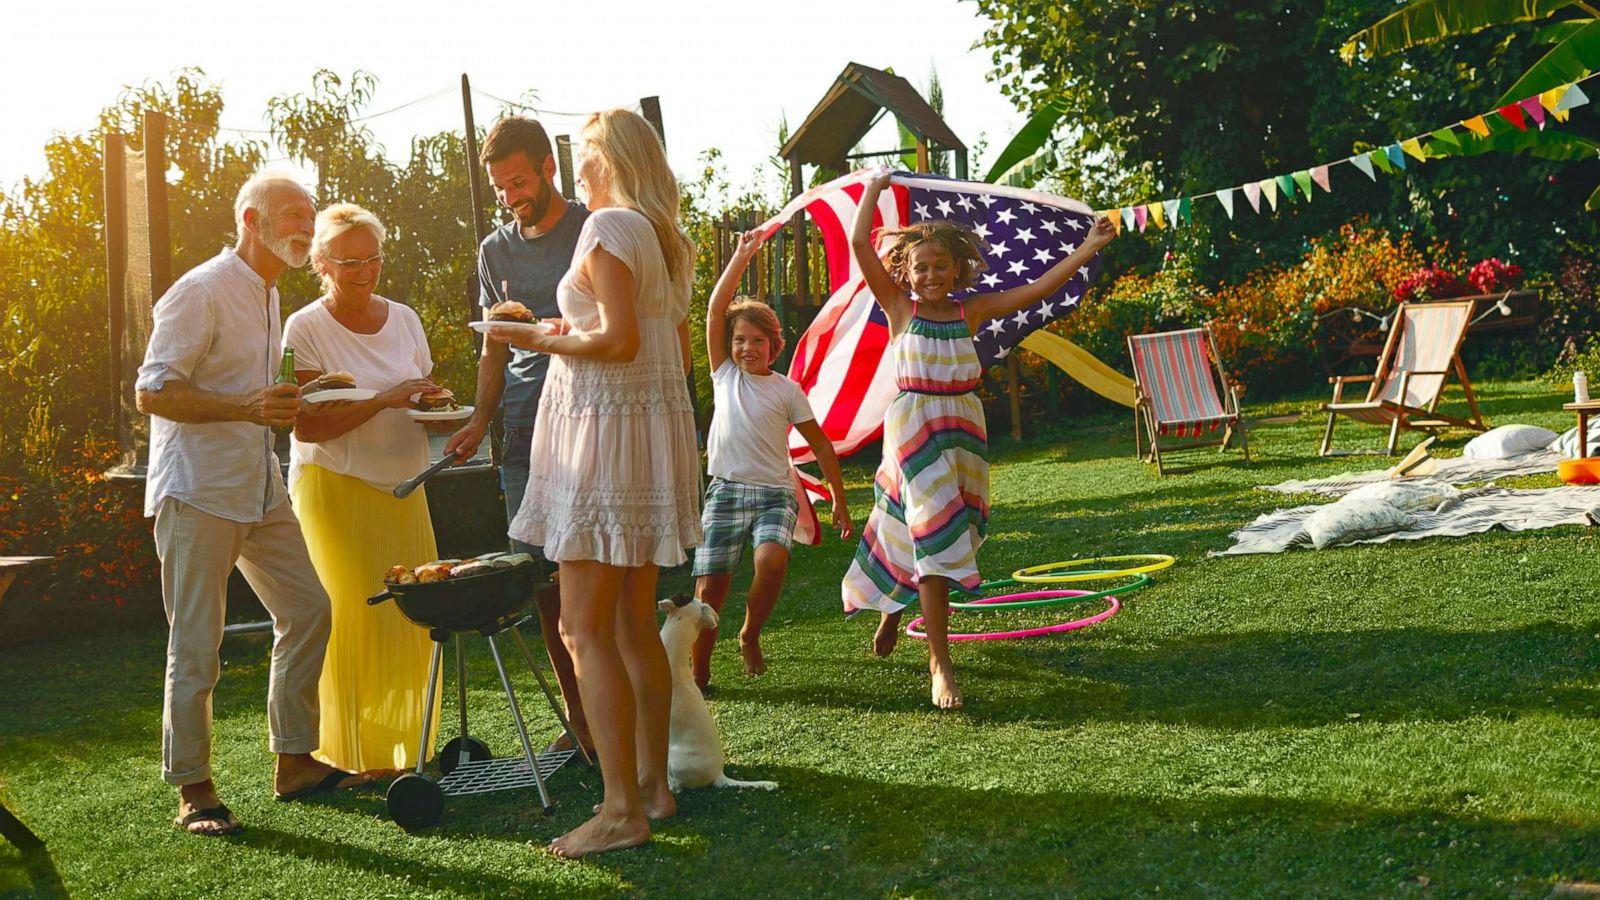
(285, 376)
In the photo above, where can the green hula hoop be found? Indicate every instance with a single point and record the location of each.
(955, 587)
(1140, 582)
(1150, 562)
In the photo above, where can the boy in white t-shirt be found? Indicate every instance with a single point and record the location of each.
(753, 490)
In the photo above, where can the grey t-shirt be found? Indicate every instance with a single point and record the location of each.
(527, 270)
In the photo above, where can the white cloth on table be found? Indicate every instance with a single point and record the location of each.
(613, 472)
(217, 329)
(390, 447)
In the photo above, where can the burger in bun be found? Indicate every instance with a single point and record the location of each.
(435, 400)
(329, 381)
(510, 311)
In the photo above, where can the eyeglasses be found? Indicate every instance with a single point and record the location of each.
(356, 265)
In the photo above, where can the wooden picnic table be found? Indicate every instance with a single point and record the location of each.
(10, 826)
(1583, 410)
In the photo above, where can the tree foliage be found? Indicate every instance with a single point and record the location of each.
(1159, 100)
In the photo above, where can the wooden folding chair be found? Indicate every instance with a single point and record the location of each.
(1423, 349)
(1175, 395)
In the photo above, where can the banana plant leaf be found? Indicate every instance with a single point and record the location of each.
(1566, 62)
(1427, 21)
(1029, 140)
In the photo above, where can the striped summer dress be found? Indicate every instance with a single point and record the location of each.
(931, 493)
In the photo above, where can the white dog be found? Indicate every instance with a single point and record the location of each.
(694, 749)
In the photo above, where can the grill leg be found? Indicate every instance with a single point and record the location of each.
(427, 705)
(522, 730)
(461, 684)
(549, 695)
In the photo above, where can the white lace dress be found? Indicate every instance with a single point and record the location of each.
(613, 474)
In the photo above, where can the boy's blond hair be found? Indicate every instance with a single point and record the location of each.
(757, 313)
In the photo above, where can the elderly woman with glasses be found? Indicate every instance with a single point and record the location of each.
(347, 456)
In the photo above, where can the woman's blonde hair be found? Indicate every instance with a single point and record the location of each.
(964, 246)
(635, 165)
(336, 220)
(749, 309)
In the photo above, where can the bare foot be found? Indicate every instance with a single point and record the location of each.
(601, 834)
(655, 808)
(754, 662)
(298, 775)
(193, 798)
(658, 801)
(888, 634)
(564, 741)
(946, 694)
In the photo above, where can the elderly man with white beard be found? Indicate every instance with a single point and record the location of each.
(217, 495)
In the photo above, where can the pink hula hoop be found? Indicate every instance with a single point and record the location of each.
(1111, 610)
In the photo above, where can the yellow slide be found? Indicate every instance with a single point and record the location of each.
(1082, 367)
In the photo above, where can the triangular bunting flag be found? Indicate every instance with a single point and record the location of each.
(1552, 98)
(1172, 212)
(1140, 214)
(1185, 211)
(1381, 157)
(1286, 188)
(1269, 188)
(1115, 215)
(1252, 192)
(1413, 148)
(1533, 107)
(1302, 178)
(1572, 99)
(1225, 197)
(1513, 114)
(1447, 137)
(1319, 174)
(1477, 126)
(1396, 155)
(1156, 215)
(1364, 163)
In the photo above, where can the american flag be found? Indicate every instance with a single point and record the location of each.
(841, 361)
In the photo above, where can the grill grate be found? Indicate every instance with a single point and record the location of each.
(501, 774)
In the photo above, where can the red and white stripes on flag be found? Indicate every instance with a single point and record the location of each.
(840, 360)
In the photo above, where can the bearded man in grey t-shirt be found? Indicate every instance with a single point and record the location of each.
(523, 260)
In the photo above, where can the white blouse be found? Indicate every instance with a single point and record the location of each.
(390, 447)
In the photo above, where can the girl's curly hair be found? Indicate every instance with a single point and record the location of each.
(964, 246)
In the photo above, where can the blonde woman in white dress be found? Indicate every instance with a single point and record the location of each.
(614, 476)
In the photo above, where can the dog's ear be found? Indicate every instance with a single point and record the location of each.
(708, 617)
(667, 605)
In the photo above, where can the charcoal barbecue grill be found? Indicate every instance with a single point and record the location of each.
(490, 603)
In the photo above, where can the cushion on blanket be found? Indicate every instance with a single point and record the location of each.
(1567, 443)
(1508, 441)
(1374, 509)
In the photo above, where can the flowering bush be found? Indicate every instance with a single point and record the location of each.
(1429, 283)
(1492, 275)
(94, 528)
(1276, 330)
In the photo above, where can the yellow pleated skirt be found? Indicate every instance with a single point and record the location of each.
(375, 676)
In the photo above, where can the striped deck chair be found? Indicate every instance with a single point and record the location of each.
(1175, 394)
(1423, 348)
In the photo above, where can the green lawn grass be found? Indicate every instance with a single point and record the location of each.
(1381, 720)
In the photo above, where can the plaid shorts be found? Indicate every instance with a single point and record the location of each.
(735, 510)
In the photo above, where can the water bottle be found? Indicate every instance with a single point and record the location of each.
(1580, 387)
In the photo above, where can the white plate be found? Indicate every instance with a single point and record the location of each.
(339, 394)
(440, 415)
(535, 327)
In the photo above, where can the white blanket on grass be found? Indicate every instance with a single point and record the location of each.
(1458, 470)
(1467, 512)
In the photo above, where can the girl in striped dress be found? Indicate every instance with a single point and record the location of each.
(931, 492)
